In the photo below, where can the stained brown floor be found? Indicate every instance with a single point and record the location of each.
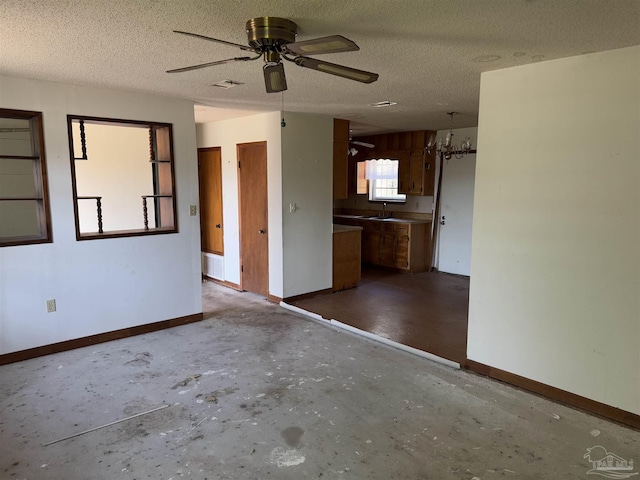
(427, 311)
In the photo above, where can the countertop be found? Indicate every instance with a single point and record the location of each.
(378, 219)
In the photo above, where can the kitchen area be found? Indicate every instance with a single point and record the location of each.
(383, 251)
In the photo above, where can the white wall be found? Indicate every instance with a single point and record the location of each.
(108, 284)
(307, 176)
(555, 275)
(300, 166)
(119, 171)
(227, 134)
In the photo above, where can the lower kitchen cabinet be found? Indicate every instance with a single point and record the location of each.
(394, 243)
(404, 245)
(371, 242)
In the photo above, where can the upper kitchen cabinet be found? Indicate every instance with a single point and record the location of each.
(340, 159)
(417, 175)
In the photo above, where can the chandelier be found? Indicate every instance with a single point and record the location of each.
(446, 146)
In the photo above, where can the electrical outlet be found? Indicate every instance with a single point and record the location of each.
(51, 306)
(192, 210)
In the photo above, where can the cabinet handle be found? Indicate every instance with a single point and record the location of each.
(262, 232)
(218, 225)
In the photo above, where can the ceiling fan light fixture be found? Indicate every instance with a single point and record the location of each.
(271, 57)
(273, 39)
(274, 78)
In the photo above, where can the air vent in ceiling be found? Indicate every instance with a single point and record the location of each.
(227, 84)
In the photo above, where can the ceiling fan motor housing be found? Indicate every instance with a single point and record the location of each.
(266, 32)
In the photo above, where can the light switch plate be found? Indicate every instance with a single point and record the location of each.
(192, 210)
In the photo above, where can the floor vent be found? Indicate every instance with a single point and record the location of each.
(213, 266)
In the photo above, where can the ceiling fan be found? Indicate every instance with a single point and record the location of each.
(273, 39)
(353, 151)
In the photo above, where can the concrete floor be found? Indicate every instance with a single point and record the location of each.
(256, 392)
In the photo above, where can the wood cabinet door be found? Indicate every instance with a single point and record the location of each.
(371, 251)
(387, 249)
(401, 259)
(416, 173)
(404, 174)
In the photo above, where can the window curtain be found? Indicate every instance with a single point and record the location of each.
(381, 169)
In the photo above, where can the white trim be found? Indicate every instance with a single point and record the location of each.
(299, 310)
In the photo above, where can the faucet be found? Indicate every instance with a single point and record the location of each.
(384, 204)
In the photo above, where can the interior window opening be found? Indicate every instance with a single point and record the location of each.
(123, 177)
(24, 203)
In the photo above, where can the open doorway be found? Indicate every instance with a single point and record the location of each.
(427, 310)
(211, 220)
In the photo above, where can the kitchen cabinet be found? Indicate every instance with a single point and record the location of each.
(340, 159)
(416, 169)
(417, 175)
(397, 243)
(386, 250)
(371, 242)
(346, 256)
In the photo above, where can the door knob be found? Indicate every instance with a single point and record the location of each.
(218, 225)
(262, 232)
(442, 222)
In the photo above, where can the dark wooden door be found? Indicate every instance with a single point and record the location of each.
(254, 236)
(210, 180)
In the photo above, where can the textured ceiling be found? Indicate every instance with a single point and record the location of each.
(429, 53)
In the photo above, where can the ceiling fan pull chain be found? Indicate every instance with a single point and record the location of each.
(283, 123)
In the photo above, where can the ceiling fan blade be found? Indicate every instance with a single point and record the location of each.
(274, 78)
(231, 44)
(362, 144)
(339, 70)
(211, 64)
(317, 46)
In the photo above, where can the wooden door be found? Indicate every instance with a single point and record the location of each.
(254, 236)
(210, 181)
